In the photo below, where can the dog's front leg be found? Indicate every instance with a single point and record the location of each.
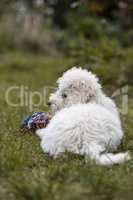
(40, 133)
(52, 145)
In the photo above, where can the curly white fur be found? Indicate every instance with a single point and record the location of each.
(86, 121)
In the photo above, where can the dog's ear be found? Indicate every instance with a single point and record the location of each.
(91, 88)
(87, 91)
(90, 94)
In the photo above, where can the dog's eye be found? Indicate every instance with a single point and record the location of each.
(64, 96)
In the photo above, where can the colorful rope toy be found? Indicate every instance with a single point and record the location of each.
(35, 121)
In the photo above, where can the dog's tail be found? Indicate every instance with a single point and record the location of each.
(97, 153)
(112, 159)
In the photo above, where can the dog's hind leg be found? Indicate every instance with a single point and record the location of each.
(96, 153)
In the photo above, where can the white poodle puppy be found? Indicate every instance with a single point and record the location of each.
(86, 121)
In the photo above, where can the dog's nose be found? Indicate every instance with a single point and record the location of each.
(49, 103)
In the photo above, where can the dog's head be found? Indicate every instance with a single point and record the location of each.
(76, 86)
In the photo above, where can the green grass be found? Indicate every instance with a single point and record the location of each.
(25, 171)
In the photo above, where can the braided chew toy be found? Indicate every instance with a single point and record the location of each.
(35, 121)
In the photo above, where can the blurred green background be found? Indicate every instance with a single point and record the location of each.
(96, 34)
(39, 40)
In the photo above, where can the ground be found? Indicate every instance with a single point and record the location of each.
(25, 171)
